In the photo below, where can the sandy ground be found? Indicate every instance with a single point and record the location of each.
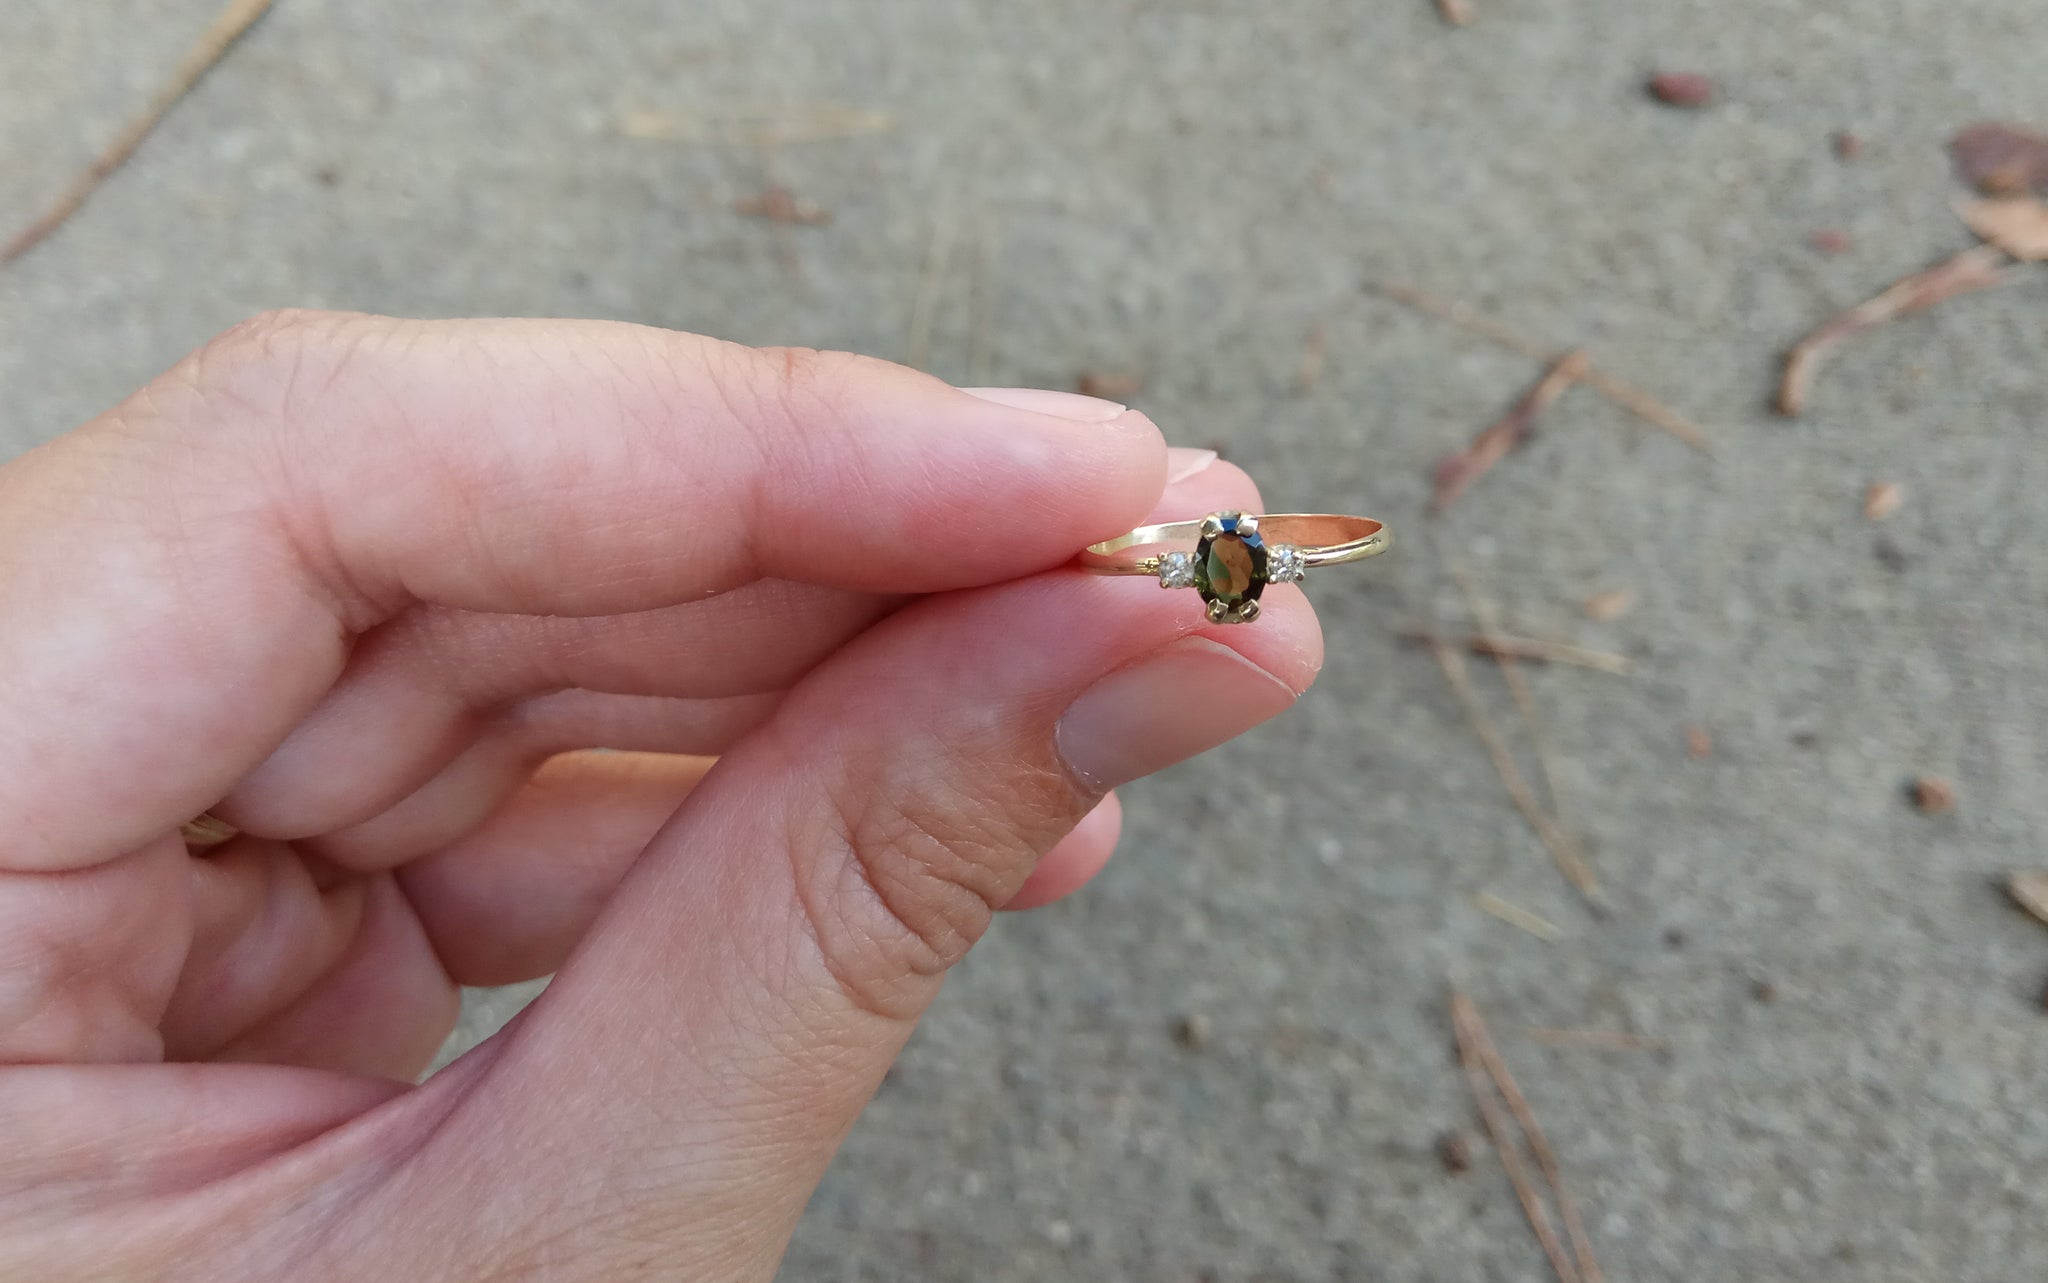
(1854, 1041)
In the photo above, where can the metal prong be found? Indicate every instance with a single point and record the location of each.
(1218, 613)
(1246, 613)
(1247, 524)
(1212, 525)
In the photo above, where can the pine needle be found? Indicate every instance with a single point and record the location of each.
(204, 56)
(1485, 1073)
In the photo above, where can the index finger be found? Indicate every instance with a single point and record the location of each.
(182, 578)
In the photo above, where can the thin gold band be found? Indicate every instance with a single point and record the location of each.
(1325, 539)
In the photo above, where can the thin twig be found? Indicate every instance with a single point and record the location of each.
(1516, 916)
(1315, 353)
(1478, 1054)
(1638, 402)
(1539, 650)
(1512, 429)
(1539, 1144)
(1974, 269)
(1597, 1039)
(981, 304)
(204, 55)
(1487, 620)
(1456, 13)
(1560, 845)
(764, 126)
(917, 348)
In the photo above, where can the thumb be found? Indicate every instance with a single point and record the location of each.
(701, 1057)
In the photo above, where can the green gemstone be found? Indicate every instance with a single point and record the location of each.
(1231, 568)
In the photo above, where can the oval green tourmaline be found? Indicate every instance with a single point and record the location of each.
(1229, 570)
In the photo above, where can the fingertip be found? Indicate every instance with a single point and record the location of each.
(1061, 405)
(1217, 486)
(1287, 640)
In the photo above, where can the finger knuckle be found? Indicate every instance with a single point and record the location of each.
(275, 362)
(784, 396)
(798, 379)
(911, 879)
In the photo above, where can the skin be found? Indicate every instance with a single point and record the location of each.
(370, 591)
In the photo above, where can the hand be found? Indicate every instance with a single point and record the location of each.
(358, 587)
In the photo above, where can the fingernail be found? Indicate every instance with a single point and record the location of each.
(1183, 462)
(1060, 405)
(1187, 699)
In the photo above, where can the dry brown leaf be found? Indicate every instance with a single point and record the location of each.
(2018, 225)
(1606, 607)
(2030, 892)
(2001, 160)
(1882, 500)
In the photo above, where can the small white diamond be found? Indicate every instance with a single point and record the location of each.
(1285, 564)
(1177, 570)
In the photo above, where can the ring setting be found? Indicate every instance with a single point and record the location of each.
(1237, 554)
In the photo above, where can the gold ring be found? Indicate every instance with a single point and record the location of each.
(205, 831)
(1237, 554)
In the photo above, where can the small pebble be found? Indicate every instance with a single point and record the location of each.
(1831, 241)
(1891, 556)
(1606, 607)
(1454, 1152)
(1763, 991)
(1699, 742)
(1686, 89)
(1192, 1031)
(1882, 500)
(1847, 145)
(1933, 794)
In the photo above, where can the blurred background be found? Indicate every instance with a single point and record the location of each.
(1788, 688)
